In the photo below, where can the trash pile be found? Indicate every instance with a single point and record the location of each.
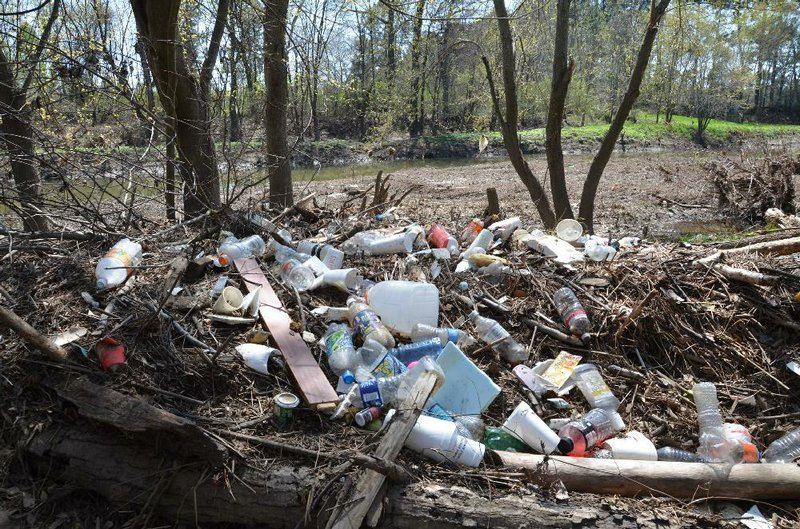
(538, 343)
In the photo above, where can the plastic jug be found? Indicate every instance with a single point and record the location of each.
(403, 304)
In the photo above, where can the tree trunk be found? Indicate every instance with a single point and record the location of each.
(415, 126)
(563, 67)
(183, 97)
(509, 122)
(586, 212)
(391, 44)
(169, 173)
(235, 133)
(277, 97)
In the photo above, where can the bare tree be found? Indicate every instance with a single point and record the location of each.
(17, 129)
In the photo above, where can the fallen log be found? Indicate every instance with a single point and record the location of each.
(662, 478)
(9, 319)
(779, 247)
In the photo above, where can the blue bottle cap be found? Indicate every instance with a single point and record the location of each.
(348, 377)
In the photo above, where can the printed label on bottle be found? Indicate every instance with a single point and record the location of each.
(495, 332)
(389, 367)
(336, 341)
(370, 394)
(122, 256)
(366, 322)
(595, 385)
(589, 432)
(577, 313)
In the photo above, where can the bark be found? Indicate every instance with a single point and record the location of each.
(184, 96)
(16, 131)
(415, 127)
(235, 132)
(169, 173)
(563, 67)
(509, 122)
(277, 98)
(590, 186)
(391, 44)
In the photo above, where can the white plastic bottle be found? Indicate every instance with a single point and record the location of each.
(329, 255)
(118, 263)
(598, 251)
(403, 304)
(491, 331)
(784, 450)
(594, 388)
(422, 331)
(230, 249)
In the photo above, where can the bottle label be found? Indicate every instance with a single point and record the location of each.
(366, 322)
(595, 385)
(495, 332)
(575, 314)
(389, 367)
(411, 352)
(337, 341)
(370, 394)
(589, 432)
(122, 256)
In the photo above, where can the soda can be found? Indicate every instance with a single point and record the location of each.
(283, 409)
(367, 415)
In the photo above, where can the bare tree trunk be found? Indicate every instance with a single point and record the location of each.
(586, 212)
(508, 123)
(277, 98)
(563, 67)
(416, 125)
(169, 177)
(391, 43)
(235, 133)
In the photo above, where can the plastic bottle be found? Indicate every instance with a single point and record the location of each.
(332, 257)
(230, 249)
(378, 361)
(713, 445)
(590, 382)
(421, 332)
(668, 453)
(402, 304)
(367, 323)
(113, 269)
(598, 251)
(342, 355)
(295, 274)
(389, 390)
(411, 352)
(490, 331)
(591, 430)
(471, 231)
(572, 313)
(439, 238)
(784, 450)
(738, 434)
(359, 242)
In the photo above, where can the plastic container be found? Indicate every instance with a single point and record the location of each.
(439, 441)
(230, 249)
(591, 430)
(439, 238)
(597, 251)
(368, 324)
(569, 230)
(572, 313)
(524, 424)
(296, 275)
(332, 257)
(341, 353)
(713, 445)
(491, 331)
(256, 356)
(471, 231)
(411, 352)
(634, 445)
(118, 263)
(590, 382)
(378, 361)
(421, 332)
(668, 453)
(784, 450)
(229, 301)
(403, 304)
(483, 240)
(400, 243)
(345, 279)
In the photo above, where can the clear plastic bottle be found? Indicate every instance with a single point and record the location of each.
(118, 263)
(713, 445)
(368, 324)
(490, 331)
(411, 352)
(439, 238)
(591, 430)
(295, 274)
(784, 450)
(590, 382)
(332, 257)
(230, 249)
(377, 361)
(572, 313)
(471, 231)
(668, 453)
(598, 251)
(422, 331)
(339, 348)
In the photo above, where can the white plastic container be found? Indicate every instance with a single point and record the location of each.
(524, 424)
(403, 304)
(439, 441)
(113, 269)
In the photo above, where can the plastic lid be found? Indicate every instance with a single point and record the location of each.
(586, 338)
(617, 422)
(223, 260)
(101, 283)
(565, 446)
(348, 377)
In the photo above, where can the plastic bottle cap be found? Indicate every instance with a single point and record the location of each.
(101, 283)
(586, 338)
(223, 259)
(348, 377)
(565, 446)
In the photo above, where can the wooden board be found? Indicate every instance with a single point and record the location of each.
(370, 483)
(314, 387)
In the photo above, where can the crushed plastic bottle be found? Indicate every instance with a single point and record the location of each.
(339, 348)
(668, 453)
(411, 352)
(367, 324)
(376, 361)
(591, 430)
(572, 313)
(421, 332)
(714, 447)
(439, 238)
(784, 450)
(491, 331)
(118, 263)
(597, 251)
(471, 231)
(590, 382)
(232, 248)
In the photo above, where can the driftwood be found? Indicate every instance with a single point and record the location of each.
(31, 335)
(679, 480)
(779, 247)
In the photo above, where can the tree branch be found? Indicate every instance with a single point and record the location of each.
(213, 46)
(48, 28)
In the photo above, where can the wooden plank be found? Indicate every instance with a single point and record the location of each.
(314, 387)
(662, 478)
(370, 484)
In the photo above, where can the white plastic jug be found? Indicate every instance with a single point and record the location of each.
(403, 304)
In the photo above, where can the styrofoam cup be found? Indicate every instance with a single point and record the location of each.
(569, 230)
(466, 452)
(400, 243)
(531, 429)
(229, 301)
(343, 278)
(635, 445)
